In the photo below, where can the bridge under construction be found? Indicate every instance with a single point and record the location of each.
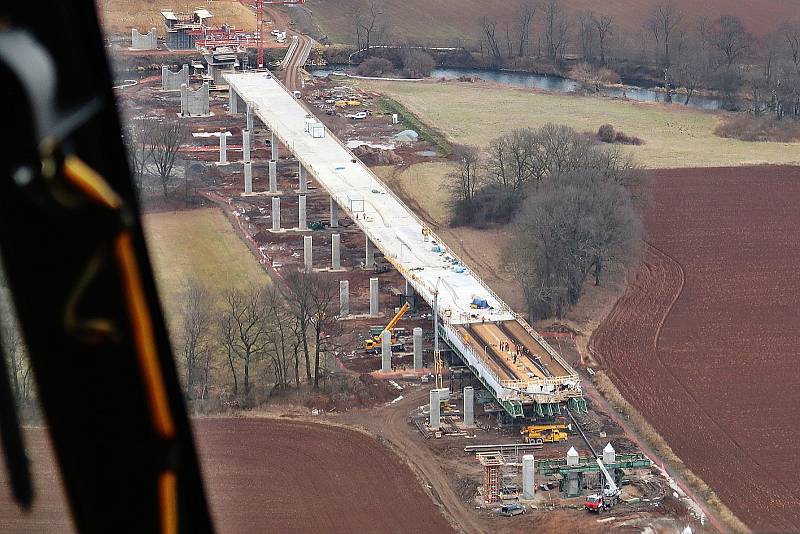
(521, 370)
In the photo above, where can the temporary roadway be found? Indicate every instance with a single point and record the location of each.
(510, 358)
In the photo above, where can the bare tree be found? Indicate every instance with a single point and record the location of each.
(136, 136)
(586, 35)
(243, 331)
(556, 30)
(790, 31)
(524, 17)
(731, 40)
(489, 32)
(367, 19)
(301, 303)
(166, 138)
(604, 26)
(325, 324)
(663, 21)
(283, 343)
(195, 332)
(463, 182)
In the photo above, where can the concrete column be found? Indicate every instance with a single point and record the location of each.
(334, 214)
(302, 178)
(386, 351)
(307, 252)
(233, 101)
(273, 176)
(344, 298)
(369, 255)
(469, 407)
(417, 348)
(373, 296)
(434, 409)
(274, 146)
(336, 259)
(248, 177)
(528, 477)
(572, 457)
(223, 148)
(250, 117)
(276, 214)
(245, 145)
(301, 213)
(609, 455)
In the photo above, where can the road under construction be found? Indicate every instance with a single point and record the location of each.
(520, 369)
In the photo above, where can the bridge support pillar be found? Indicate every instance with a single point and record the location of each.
(417, 348)
(246, 145)
(528, 477)
(386, 351)
(302, 178)
(336, 260)
(373, 296)
(308, 262)
(369, 253)
(276, 214)
(301, 213)
(334, 214)
(250, 117)
(223, 148)
(248, 177)
(273, 176)
(469, 407)
(434, 409)
(344, 298)
(274, 146)
(233, 101)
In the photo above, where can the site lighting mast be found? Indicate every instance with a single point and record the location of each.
(260, 23)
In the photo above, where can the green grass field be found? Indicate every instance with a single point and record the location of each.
(674, 136)
(198, 245)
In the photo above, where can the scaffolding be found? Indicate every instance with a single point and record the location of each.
(492, 463)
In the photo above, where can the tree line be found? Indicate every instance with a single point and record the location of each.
(569, 202)
(152, 146)
(245, 345)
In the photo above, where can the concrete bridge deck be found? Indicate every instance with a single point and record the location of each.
(425, 261)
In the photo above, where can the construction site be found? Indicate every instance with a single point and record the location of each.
(489, 412)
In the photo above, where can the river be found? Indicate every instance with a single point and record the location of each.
(555, 84)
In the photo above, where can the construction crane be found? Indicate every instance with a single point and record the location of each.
(374, 343)
(545, 433)
(260, 23)
(597, 502)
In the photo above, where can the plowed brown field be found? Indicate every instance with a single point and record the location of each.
(704, 342)
(267, 475)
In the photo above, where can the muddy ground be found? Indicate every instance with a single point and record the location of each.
(704, 340)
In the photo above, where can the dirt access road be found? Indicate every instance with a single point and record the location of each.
(704, 341)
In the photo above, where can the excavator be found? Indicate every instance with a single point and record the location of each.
(546, 433)
(373, 344)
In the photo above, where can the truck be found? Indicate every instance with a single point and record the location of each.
(546, 433)
(600, 502)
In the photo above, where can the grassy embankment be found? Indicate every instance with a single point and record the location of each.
(197, 245)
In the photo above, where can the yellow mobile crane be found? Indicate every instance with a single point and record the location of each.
(546, 433)
(374, 343)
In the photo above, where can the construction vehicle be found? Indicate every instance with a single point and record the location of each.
(374, 343)
(546, 433)
(599, 502)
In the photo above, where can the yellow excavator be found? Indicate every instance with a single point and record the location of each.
(374, 343)
(545, 433)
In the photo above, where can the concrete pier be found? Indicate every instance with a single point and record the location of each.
(334, 214)
(301, 213)
(276, 214)
(223, 148)
(609, 454)
(344, 298)
(434, 409)
(308, 262)
(147, 41)
(528, 477)
(245, 145)
(248, 177)
(469, 407)
(274, 146)
(172, 81)
(373, 296)
(386, 351)
(249, 117)
(369, 254)
(233, 102)
(302, 178)
(336, 259)
(194, 103)
(273, 176)
(417, 348)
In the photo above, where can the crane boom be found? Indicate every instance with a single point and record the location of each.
(399, 315)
